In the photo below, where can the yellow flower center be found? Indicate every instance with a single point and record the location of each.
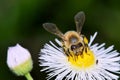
(84, 61)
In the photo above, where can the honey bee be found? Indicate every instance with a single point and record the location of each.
(73, 41)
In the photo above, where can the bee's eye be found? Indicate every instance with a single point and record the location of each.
(80, 44)
(73, 40)
(76, 46)
(73, 47)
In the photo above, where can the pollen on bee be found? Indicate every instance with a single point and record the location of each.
(85, 40)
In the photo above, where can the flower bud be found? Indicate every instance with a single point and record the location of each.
(19, 60)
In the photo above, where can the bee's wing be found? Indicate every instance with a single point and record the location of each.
(52, 28)
(79, 20)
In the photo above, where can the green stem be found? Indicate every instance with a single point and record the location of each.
(28, 76)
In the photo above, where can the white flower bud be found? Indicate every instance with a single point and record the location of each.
(19, 60)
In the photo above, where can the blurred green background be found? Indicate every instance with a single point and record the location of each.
(21, 22)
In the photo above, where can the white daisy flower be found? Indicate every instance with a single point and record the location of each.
(98, 63)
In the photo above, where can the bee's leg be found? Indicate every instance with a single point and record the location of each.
(69, 52)
(75, 57)
(65, 50)
(82, 55)
(86, 49)
(71, 55)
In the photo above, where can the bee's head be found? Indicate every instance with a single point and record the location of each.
(73, 40)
